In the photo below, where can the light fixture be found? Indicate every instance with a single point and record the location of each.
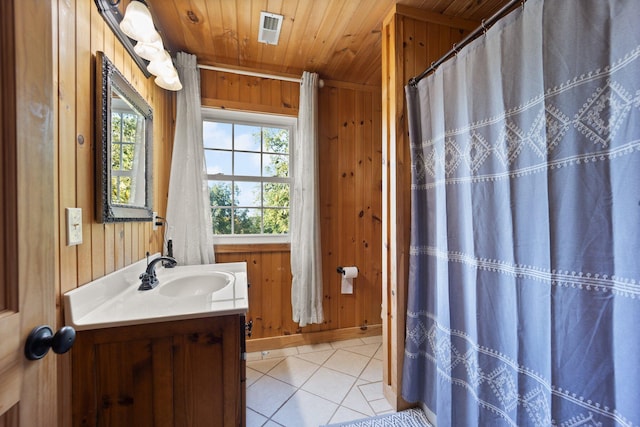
(137, 24)
(151, 49)
(169, 83)
(162, 65)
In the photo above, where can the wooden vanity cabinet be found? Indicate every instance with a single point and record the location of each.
(179, 373)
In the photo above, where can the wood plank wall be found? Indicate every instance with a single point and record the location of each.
(350, 156)
(105, 247)
(412, 40)
(80, 32)
(247, 93)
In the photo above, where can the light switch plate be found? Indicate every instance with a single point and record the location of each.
(74, 226)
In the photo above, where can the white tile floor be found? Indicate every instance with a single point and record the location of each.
(313, 385)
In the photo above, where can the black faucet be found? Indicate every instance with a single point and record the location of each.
(169, 264)
(149, 279)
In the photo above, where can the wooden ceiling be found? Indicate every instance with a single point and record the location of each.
(339, 39)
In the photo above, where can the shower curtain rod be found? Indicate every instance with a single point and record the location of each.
(486, 24)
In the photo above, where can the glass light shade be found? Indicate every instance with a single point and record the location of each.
(138, 23)
(161, 65)
(150, 50)
(169, 83)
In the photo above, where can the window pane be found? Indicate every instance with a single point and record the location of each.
(276, 221)
(247, 221)
(125, 189)
(218, 162)
(276, 140)
(246, 164)
(275, 165)
(220, 193)
(247, 193)
(114, 190)
(217, 135)
(247, 138)
(115, 127)
(221, 218)
(120, 189)
(115, 157)
(276, 195)
(129, 127)
(128, 151)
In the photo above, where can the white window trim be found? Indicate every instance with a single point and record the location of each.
(248, 118)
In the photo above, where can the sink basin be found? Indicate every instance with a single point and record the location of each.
(184, 292)
(196, 284)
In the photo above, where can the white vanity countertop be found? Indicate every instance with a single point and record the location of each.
(114, 300)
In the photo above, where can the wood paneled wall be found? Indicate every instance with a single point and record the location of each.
(412, 40)
(351, 201)
(105, 247)
(350, 155)
(247, 93)
(80, 32)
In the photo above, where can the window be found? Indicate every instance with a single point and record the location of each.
(247, 157)
(127, 148)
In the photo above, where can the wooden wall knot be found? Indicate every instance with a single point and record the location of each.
(213, 339)
(125, 401)
(106, 401)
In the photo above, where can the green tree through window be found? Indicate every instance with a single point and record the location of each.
(276, 195)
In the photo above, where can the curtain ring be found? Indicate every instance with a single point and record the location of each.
(484, 28)
(455, 49)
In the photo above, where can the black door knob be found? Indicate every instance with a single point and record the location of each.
(41, 339)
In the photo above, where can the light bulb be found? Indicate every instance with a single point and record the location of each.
(161, 65)
(138, 23)
(169, 83)
(150, 50)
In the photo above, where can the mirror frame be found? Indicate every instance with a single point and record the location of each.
(108, 76)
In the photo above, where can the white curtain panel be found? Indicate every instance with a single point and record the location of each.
(306, 256)
(138, 195)
(188, 210)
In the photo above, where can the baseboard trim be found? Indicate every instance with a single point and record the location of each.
(284, 341)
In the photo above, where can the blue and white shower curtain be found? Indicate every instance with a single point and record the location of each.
(524, 281)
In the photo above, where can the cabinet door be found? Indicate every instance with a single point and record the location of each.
(165, 374)
(199, 372)
(207, 379)
(128, 391)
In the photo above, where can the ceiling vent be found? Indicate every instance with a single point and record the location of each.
(270, 25)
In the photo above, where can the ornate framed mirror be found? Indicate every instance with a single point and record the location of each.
(124, 148)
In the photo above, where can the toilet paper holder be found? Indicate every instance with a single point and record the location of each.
(340, 270)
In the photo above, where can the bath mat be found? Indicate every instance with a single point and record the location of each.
(409, 418)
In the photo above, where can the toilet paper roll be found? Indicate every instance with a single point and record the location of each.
(348, 274)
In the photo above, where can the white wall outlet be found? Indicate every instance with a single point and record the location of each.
(155, 221)
(74, 226)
